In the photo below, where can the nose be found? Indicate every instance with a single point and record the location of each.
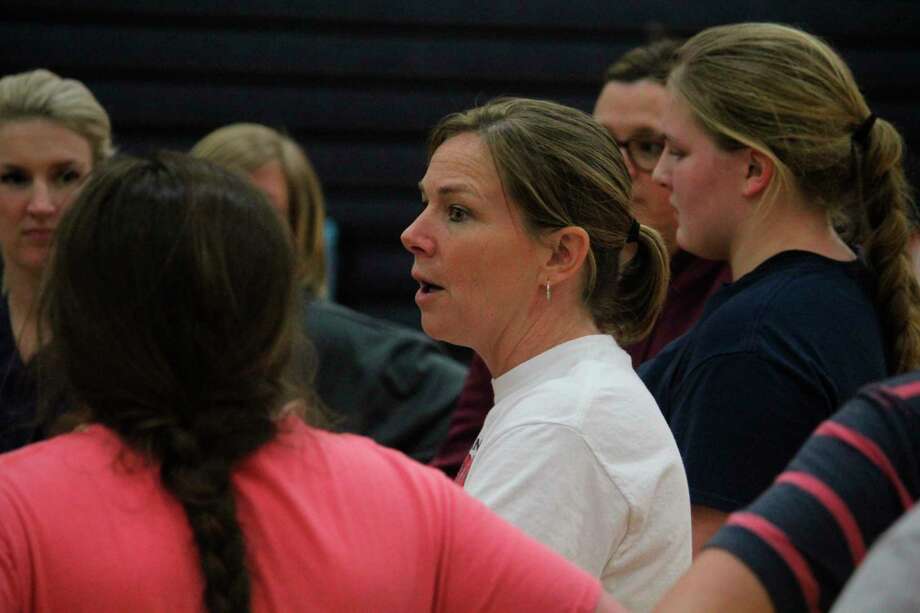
(416, 239)
(661, 174)
(41, 202)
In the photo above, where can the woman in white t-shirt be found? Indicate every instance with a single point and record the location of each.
(526, 251)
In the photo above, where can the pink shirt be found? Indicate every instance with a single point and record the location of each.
(332, 523)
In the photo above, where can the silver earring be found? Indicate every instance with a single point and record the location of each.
(549, 292)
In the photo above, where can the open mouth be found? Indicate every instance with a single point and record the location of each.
(428, 288)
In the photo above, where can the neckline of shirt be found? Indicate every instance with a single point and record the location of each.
(554, 360)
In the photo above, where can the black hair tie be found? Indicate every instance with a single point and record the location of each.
(861, 133)
(633, 235)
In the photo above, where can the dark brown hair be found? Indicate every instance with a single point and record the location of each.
(652, 61)
(170, 303)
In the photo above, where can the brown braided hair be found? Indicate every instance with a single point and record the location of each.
(170, 303)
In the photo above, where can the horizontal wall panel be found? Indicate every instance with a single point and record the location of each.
(329, 111)
(851, 18)
(221, 54)
(362, 165)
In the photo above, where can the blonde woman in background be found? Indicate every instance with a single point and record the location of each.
(280, 168)
(53, 132)
(384, 380)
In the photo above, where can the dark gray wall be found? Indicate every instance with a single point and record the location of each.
(359, 82)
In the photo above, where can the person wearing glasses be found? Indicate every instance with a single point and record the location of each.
(629, 107)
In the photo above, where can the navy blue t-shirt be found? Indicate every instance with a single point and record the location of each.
(17, 390)
(773, 355)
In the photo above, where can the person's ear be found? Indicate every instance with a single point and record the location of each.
(568, 250)
(759, 172)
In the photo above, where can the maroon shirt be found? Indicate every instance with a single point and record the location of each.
(693, 280)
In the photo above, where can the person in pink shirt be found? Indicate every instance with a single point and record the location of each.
(186, 477)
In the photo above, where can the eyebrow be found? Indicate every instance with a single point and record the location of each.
(54, 165)
(670, 140)
(644, 132)
(450, 188)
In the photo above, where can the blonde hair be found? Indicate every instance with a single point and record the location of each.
(245, 147)
(789, 95)
(41, 94)
(561, 168)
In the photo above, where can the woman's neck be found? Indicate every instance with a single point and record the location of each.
(785, 226)
(22, 295)
(551, 326)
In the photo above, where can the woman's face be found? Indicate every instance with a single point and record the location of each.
(269, 177)
(632, 113)
(478, 269)
(706, 184)
(42, 166)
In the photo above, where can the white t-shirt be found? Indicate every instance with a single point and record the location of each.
(577, 454)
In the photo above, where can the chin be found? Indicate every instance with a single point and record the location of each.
(32, 263)
(431, 328)
(443, 331)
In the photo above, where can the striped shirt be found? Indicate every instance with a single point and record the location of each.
(856, 475)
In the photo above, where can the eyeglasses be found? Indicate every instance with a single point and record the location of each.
(643, 152)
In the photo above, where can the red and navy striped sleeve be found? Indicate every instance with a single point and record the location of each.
(856, 474)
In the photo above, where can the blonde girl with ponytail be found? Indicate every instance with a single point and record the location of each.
(778, 165)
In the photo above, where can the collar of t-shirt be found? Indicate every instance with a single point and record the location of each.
(556, 360)
(785, 260)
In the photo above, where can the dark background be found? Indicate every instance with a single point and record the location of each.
(359, 83)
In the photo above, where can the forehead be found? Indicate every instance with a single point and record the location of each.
(625, 108)
(677, 120)
(39, 142)
(462, 166)
(462, 161)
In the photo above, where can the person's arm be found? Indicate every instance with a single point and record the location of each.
(717, 581)
(797, 545)
(705, 522)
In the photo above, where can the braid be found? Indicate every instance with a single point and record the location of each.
(887, 200)
(197, 456)
(189, 362)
